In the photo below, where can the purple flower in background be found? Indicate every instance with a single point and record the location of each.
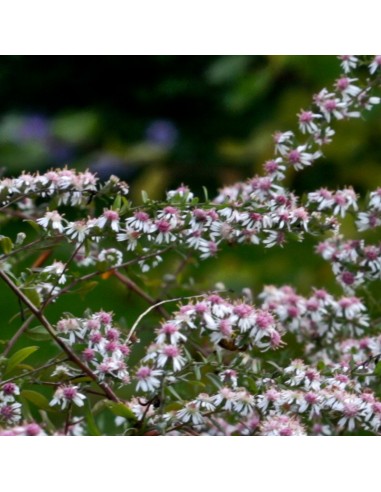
(162, 132)
(33, 127)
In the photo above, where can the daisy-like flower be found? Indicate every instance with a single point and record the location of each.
(205, 402)
(131, 236)
(53, 220)
(10, 412)
(190, 413)
(352, 408)
(226, 397)
(141, 221)
(182, 193)
(57, 269)
(207, 248)
(72, 328)
(67, 394)
(283, 142)
(110, 217)
(244, 402)
(375, 65)
(170, 330)
(306, 121)
(343, 200)
(78, 230)
(281, 425)
(275, 168)
(299, 159)
(148, 378)
(8, 391)
(171, 353)
(244, 316)
(347, 89)
(348, 62)
(164, 228)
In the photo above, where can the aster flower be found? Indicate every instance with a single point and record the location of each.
(51, 220)
(148, 378)
(171, 353)
(67, 394)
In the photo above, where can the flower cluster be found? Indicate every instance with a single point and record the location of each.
(71, 187)
(231, 325)
(318, 317)
(353, 261)
(101, 348)
(10, 408)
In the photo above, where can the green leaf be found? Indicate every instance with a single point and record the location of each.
(121, 410)
(197, 372)
(196, 383)
(34, 225)
(174, 393)
(91, 424)
(33, 296)
(117, 203)
(38, 333)
(206, 194)
(18, 357)
(377, 369)
(320, 365)
(40, 401)
(144, 196)
(214, 379)
(6, 244)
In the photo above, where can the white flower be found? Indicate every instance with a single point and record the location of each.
(148, 378)
(171, 352)
(375, 65)
(53, 219)
(191, 413)
(65, 395)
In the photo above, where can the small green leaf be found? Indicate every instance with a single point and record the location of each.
(206, 194)
(214, 379)
(197, 372)
(117, 203)
(91, 424)
(377, 369)
(196, 383)
(121, 410)
(33, 296)
(34, 225)
(18, 357)
(144, 196)
(174, 393)
(38, 333)
(40, 401)
(6, 244)
(320, 365)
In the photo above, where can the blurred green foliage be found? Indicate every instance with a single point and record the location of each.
(165, 120)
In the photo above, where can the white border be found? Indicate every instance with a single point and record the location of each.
(176, 27)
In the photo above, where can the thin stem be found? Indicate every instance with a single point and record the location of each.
(72, 356)
(45, 303)
(29, 246)
(35, 371)
(17, 335)
(166, 301)
(140, 292)
(95, 274)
